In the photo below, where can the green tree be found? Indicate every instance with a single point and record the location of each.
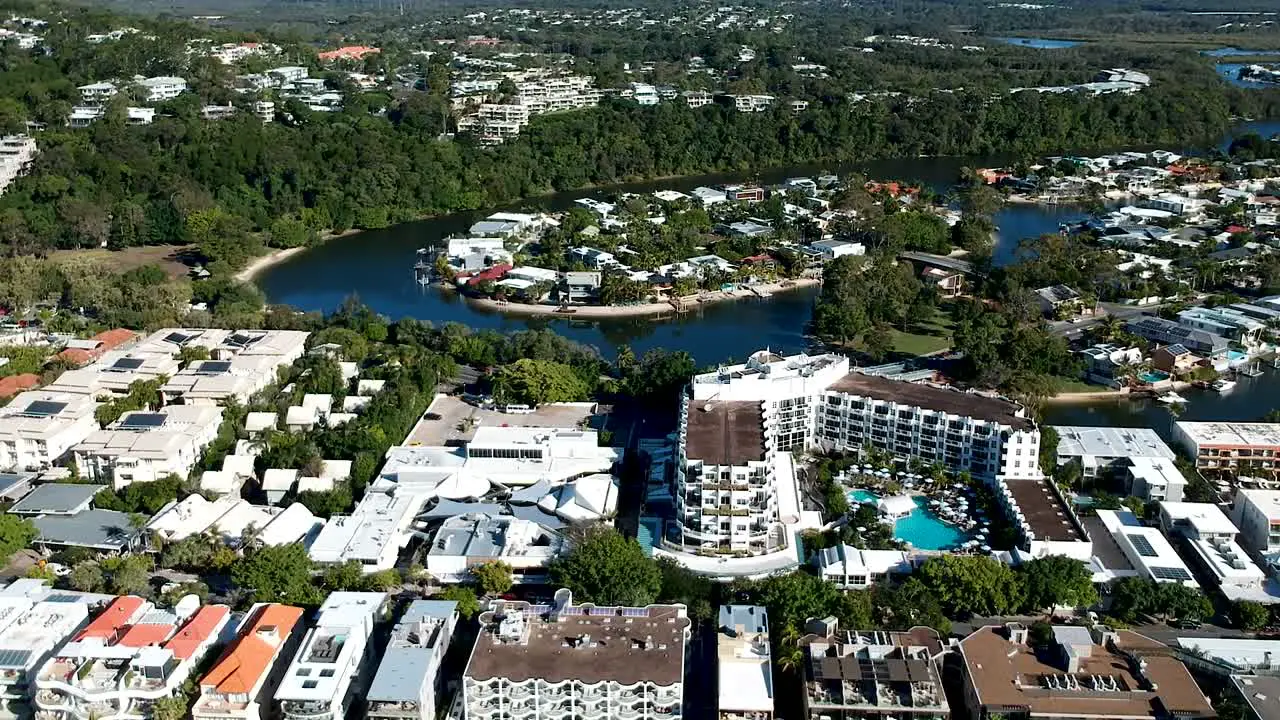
(1057, 580)
(277, 573)
(537, 382)
(16, 533)
(176, 707)
(605, 568)
(468, 603)
(493, 577)
(971, 584)
(1249, 615)
(87, 577)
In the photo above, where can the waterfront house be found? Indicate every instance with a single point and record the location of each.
(580, 287)
(1104, 362)
(592, 258)
(1159, 330)
(709, 196)
(1174, 359)
(950, 283)
(832, 249)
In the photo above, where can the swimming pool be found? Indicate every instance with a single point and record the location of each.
(862, 496)
(1235, 356)
(925, 531)
(1153, 376)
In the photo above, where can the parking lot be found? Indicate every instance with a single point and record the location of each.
(452, 420)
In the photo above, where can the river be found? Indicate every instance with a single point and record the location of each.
(377, 265)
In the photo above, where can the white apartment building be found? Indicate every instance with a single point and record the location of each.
(408, 678)
(240, 686)
(745, 674)
(1108, 449)
(985, 436)
(146, 446)
(736, 426)
(163, 88)
(241, 363)
(129, 656)
(1211, 539)
(16, 153)
(558, 93)
(114, 373)
(1147, 550)
(872, 674)
(320, 681)
(752, 103)
(496, 123)
(1257, 514)
(547, 662)
(29, 632)
(644, 93)
(372, 534)
(38, 428)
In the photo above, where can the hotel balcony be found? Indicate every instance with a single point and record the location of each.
(394, 710)
(307, 710)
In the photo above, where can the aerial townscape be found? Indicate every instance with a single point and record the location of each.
(815, 360)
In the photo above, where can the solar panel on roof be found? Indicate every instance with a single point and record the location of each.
(1143, 546)
(178, 338)
(44, 408)
(1170, 573)
(126, 364)
(214, 367)
(63, 598)
(14, 658)
(142, 421)
(243, 339)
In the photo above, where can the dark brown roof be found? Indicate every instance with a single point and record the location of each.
(612, 653)
(1045, 513)
(725, 433)
(1005, 675)
(933, 397)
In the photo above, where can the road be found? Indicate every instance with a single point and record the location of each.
(1074, 330)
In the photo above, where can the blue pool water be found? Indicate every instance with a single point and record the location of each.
(862, 496)
(1153, 376)
(925, 531)
(1236, 356)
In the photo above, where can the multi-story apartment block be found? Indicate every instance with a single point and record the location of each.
(30, 632)
(737, 426)
(1209, 538)
(146, 446)
(495, 123)
(745, 674)
(241, 363)
(1257, 514)
(1237, 448)
(551, 94)
(408, 679)
(873, 675)
(38, 428)
(322, 680)
(740, 424)
(1086, 674)
(696, 98)
(129, 656)
(547, 662)
(240, 686)
(94, 94)
(984, 436)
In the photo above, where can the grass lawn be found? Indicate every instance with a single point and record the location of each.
(1075, 385)
(168, 257)
(932, 338)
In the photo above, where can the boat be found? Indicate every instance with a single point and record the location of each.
(1172, 398)
(1222, 385)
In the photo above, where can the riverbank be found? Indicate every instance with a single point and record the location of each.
(262, 262)
(601, 312)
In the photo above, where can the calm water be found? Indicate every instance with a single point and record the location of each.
(1227, 52)
(1038, 43)
(1231, 73)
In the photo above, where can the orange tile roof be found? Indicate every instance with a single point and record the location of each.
(197, 630)
(116, 616)
(75, 356)
(15, 384)
(145, 634)
(244, 662)
(350, 52)
(112, 339)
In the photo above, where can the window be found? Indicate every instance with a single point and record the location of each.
(310, 684)
(303, 672)
(326, 673)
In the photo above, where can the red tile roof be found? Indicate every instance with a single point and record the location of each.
(145, 634)
(204, 623)
(245, 661)
(494, 273)
(116, 616)
(350, 52)
(15, 384)
(107, 340)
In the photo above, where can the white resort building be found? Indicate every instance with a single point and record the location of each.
(321, 681)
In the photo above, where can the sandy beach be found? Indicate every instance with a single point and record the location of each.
(259, 264)
(1087, 397)
(597, 312)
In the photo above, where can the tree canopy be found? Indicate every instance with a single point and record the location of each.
(605, 568)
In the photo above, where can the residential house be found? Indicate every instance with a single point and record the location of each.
(408, 679)
(241, 686)
(1175, 359)
(327, 673)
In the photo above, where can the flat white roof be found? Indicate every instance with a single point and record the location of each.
(1111, 442)
(342, 630)
(153, 435)
(377, 522)
(1145, 547)
(1229, 433)
(1244, 655)
(1228, 562)
(1267, 501)
(1205, 518)
(1156, 472)
(40, 414)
